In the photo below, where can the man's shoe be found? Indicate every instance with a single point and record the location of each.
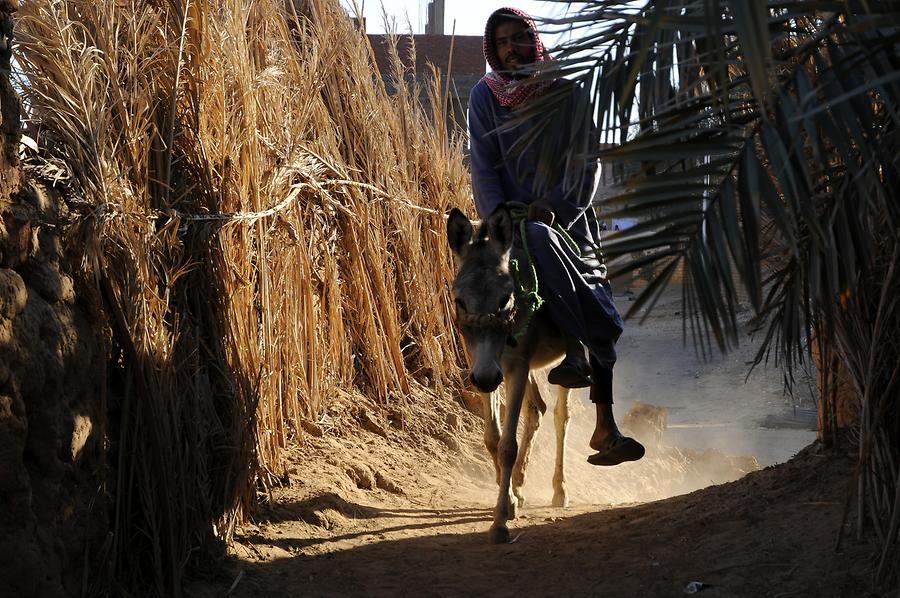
(618, 449)
(571, 374)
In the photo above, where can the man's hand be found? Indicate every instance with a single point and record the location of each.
(541, 212)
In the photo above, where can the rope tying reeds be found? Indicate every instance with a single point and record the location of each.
(58, 174)
(315, 185)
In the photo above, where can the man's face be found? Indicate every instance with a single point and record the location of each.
(514, 45)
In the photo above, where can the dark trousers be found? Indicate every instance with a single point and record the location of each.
(579, 300)
(602, 388)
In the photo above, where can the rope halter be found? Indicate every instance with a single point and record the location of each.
(500, 321)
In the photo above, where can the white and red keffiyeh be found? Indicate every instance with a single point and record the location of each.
(511, 92)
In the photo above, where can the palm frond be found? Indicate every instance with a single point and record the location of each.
(764, 140)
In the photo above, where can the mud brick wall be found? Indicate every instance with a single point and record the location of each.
(52, 506)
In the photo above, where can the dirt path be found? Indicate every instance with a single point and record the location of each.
(386, 512)
(771, 534)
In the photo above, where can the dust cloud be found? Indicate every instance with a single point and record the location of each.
(663, 472)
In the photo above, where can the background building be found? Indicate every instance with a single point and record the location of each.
(433, 47)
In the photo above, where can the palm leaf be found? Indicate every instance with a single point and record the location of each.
(765, 139)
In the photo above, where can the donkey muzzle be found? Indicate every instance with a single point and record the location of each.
(486, 381)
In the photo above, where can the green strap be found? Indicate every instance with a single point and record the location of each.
(528, 291)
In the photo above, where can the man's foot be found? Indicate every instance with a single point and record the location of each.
(616, 449)
(571, 373)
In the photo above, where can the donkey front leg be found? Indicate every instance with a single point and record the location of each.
(534, 407)
(490, 402)
(516, 377)
(561, 419)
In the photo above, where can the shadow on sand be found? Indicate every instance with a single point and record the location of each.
(771, 533)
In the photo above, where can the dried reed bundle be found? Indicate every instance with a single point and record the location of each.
(265, 226)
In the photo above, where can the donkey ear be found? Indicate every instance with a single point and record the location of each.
(500, 228)
(459, 232)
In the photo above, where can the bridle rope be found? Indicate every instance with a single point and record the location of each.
(497, 321)
(527, 284)
(528, 290)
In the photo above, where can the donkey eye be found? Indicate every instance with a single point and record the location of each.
(460, 304)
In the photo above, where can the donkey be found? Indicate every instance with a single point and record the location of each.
(504, 344)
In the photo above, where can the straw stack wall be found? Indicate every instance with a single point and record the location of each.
(264, 227)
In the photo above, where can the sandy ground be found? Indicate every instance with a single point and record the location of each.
(386, 511)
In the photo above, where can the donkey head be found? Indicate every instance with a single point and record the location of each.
(483, 291)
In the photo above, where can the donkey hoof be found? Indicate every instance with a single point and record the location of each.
(499, 534)
(560, 500)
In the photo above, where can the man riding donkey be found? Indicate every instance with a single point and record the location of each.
(511, 170)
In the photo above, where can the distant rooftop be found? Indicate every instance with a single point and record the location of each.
(468, 57)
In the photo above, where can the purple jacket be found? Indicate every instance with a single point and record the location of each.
(501, 172)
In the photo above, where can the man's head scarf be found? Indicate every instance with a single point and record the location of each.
(500, 82)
